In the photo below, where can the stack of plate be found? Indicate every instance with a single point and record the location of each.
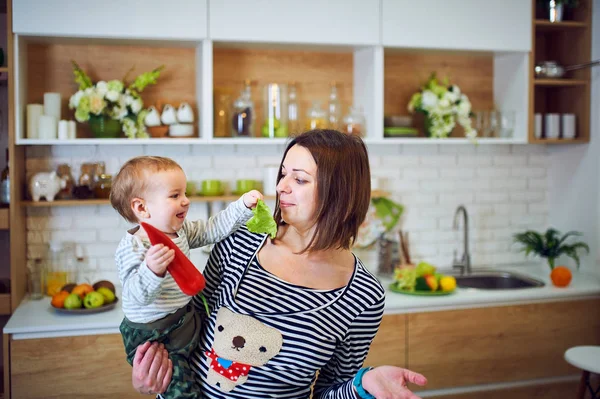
(399, 126)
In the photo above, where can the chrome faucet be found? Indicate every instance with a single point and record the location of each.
(464, 263)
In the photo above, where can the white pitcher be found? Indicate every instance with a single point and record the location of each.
(168, 116)
(185, 114)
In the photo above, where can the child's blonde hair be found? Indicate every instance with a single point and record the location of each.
(132, 181)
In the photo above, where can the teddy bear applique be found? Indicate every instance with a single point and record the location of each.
(240, 343)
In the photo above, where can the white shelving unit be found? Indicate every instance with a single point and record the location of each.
(511, 64)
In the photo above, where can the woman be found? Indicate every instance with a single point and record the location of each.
(284, 309)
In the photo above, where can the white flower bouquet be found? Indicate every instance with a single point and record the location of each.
(443, 105)
(113, 100)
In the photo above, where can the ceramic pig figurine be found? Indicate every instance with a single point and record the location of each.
(45, 184)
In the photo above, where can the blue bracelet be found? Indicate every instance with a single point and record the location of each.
(357, 383)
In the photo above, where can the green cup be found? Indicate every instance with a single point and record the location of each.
(244, 185)
(212, 187)
(190, 189)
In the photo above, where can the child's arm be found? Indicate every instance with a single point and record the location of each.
(140, 284)
(221, 225)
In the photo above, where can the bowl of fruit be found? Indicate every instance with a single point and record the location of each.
(85, 298)
(422, 279)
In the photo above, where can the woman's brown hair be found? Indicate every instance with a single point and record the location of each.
(343, 187)
(132, 181)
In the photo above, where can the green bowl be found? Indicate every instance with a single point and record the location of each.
(212, 188)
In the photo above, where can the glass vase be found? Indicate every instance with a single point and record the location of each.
(104, 127)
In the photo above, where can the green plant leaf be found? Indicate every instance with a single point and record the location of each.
(81, 78)
(550, 244)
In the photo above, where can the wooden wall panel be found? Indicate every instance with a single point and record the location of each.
(405, 72)
(50, 70)
(82, 367)
(312, 71)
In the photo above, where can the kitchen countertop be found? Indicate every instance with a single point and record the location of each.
(37, 319)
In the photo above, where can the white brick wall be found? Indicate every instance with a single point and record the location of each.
(504, 189)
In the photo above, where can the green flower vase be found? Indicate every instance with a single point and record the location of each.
(104, 127)
(427, 123)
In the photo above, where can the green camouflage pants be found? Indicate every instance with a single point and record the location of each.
(180, 333)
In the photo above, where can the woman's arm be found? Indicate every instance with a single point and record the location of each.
(335, 379)
(152, 369)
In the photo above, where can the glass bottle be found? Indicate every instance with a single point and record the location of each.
(5, 185)
(243, 114)
(35, 276)
(334, 111)
(354, 122)
(222, 113)
(64, 173)
(294, 126)
(316, 117)
(275, 111)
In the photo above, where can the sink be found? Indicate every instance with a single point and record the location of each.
(497, 281)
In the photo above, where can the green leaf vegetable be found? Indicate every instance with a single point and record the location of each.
(550, 245)
(262, 221)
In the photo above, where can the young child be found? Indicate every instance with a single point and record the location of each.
(152, 190)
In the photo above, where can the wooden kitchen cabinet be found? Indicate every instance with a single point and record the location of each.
(458, 24)
(489, 345)
(292, 21)
(389, 345)
(91, 366)
(179, 20)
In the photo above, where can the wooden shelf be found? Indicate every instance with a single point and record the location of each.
(4, 219)
(560, 82)
(96, 201)
(5, 304)
(559, 141)
(543, 24)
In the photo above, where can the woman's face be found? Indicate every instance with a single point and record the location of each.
(297, 188)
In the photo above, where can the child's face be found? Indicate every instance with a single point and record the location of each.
(166, 203)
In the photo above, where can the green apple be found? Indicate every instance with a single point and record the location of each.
(93, 300)
(73, 301)
(108, 295)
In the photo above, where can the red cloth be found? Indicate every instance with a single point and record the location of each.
(233, 372)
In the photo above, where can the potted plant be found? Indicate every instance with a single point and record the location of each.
(443, 105)
(113, 106)
(554, 9)
(551, 245)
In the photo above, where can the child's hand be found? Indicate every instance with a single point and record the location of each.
(158, 258)
(251, 198)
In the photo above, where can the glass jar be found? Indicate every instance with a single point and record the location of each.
(60, 267)
(64, 173)
(334, 110)
(275, 111)
(35, 279)
(294, 125)
(316, 117)
(354, 122)
(83, 190)
(103, 186)
(222, 113)
(242, 118)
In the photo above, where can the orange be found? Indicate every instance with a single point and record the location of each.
(82, 290)
(561, 276)
(58, 300)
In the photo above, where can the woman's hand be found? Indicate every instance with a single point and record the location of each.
(391, 382)
(152, 369)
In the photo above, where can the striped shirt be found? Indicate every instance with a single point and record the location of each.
(147, 297)
(329, 331)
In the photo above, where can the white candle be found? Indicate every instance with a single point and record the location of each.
(52, 105)
(72, 129)
(34, 111)
(63, 130)
(47, 127)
